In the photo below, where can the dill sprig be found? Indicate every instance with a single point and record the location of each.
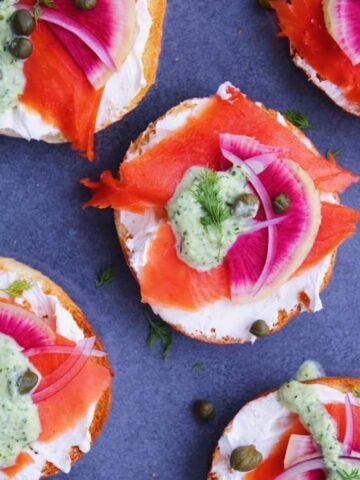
(17, 288)
(357, 392)
(298, 119)
(207, 194)
(198, 367)
(159, 331)
(353, 475)
(37, 7)
(335, 153)
(106, 276)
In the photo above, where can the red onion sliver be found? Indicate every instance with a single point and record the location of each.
(266, 202)
(255, 225)
(259, 164)
(312, 464)
(59, 349)
(57, 18)
(349, 432)
(61, 376)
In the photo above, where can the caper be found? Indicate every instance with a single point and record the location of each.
(281, 203)
(85, 4)
(245, 205)
(26, 382)
(21, 48)
(22, 22)
(260, 328)
(244, 459)
(204, 409)
(265, 4)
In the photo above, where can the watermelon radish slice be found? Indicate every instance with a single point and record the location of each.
(24, 327)
(342, 18)
(300, 447)
(247, 148)
(260, 263)
(98, 39)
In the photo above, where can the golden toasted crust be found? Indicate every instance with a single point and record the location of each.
(283, 316)
(49, 287)
(344, 384)
(157, 9)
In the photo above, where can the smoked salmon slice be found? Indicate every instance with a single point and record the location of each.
(302, 22)
(338, 223)
(57, 88)
(151, 179)
(63, 410)
(22, 461)
(178, 285)
(273, 465)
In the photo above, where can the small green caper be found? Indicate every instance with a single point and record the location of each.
(21, 48)
(265, 4)
(85, 4)
(260, 329)
(26, 382)
(204, 409)
(23, 22)
(281, 203)
(245, 459)
(245, 205)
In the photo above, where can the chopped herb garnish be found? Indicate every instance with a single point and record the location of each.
(17, 288)
(207, 194)
(357, 392)
(106, 276)
(298, 119)
(37, 7)
(198, 367)
(159, 331)
(353, 475)
(333, 153)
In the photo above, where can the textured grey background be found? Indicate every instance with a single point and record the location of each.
(152, 433)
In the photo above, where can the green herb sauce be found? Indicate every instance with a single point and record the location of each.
(302, 399)
(19, 417)
(309, 370)
(12, 79)
(204, 239)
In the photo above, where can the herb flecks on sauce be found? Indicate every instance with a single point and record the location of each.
(19, 417)
(303, 400)
(12, 79)
(202, 215)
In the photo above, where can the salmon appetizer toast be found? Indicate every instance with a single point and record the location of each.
(55, 378)
(73, 67)
(324, 42)
(309, 429)
(228, 217)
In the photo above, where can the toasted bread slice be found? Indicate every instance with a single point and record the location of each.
(140, 145)
(343, 384)
(51, 288)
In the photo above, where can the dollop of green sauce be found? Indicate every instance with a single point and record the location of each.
(12, 79)
(302, 399)
(19, 416)
(204, 246)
